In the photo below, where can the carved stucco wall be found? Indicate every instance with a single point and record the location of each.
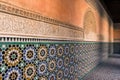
(104, 23)
(24, 23)
(89, 26)
(69, 11)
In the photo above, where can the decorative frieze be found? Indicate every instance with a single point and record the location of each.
(21, 22)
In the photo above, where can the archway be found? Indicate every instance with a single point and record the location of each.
(89, 26)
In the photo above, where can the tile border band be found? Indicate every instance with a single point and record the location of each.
(18, 39)
(36, 40)
(17, 11)
(41, 37)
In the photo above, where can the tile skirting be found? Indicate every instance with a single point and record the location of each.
(70, 59)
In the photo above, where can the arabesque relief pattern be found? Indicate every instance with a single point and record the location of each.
(27, 23)
(90, 32)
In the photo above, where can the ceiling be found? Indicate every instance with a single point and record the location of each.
(113, 9)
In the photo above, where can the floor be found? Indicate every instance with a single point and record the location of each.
(108, 70)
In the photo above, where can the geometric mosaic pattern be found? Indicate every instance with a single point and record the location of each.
(36, 59)
(56, 60)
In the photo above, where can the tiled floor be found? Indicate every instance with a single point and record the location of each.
(108, 70)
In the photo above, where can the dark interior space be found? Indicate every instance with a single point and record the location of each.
(113, 9)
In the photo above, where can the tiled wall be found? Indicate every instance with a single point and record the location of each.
(40, 48)
(49, 60)
(116, 47)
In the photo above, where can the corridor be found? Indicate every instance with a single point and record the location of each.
(107, 70)
(59, 39)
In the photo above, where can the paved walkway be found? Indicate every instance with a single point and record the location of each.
(108, 70)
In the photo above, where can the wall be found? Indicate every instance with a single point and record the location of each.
(57, 9)
(116, 32)
(75, 15)
(52, 39)
(116, 38)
